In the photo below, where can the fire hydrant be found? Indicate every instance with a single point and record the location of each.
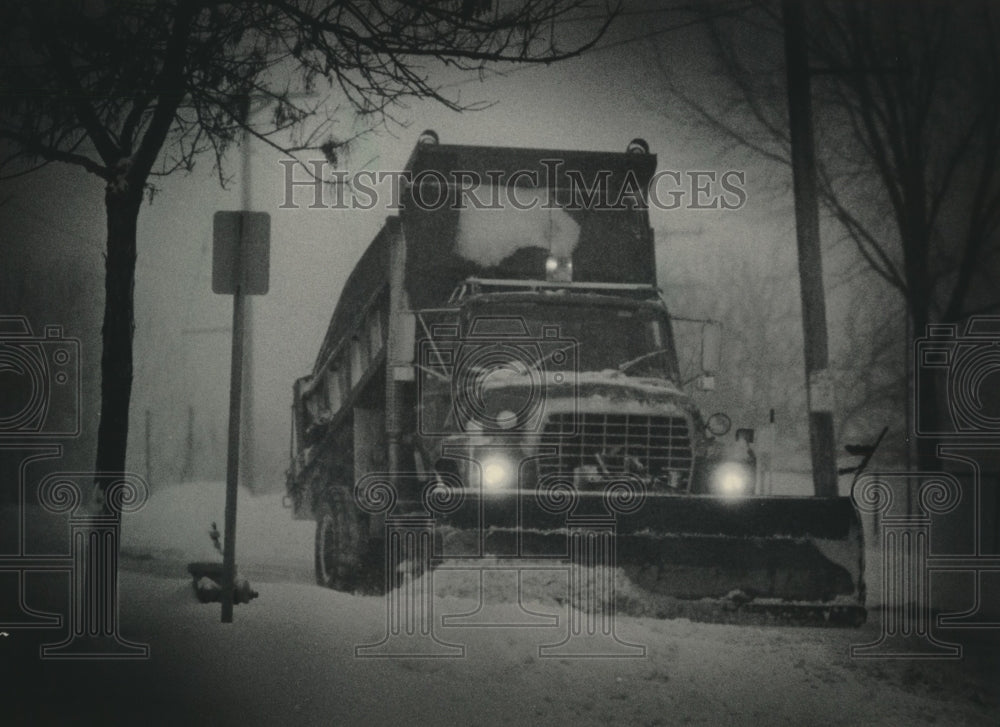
(207, 580)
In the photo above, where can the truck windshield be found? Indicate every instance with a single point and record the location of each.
(633, 340)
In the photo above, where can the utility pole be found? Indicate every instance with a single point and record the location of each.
(187, 474)
(247, 460)
(248, 464)
(819, 384)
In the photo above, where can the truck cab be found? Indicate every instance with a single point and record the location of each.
(588, 372)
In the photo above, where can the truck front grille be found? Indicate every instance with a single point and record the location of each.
(644, 445)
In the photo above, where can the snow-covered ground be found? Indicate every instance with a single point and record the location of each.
(289, 657)
(173, 527)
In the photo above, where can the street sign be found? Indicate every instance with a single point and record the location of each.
(241, 243)
(241, 252)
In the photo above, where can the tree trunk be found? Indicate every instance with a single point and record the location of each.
(122, 209)
(927, 409)
(916, 233)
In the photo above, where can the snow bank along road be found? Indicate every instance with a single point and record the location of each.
(289, 658)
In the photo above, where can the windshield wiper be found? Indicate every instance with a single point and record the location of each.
(638, 359)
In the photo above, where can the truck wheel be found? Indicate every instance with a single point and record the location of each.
(340, 543)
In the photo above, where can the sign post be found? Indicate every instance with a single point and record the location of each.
(240, 267)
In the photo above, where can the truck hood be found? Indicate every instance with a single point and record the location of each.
(602, 391)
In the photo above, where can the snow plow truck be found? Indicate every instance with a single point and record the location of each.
(504, 335)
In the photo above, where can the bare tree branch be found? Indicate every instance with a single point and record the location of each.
(908, 94)
(150, 86)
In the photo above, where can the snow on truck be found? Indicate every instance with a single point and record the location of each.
(504, 334)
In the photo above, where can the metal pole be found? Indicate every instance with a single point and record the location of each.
(818, 381)
(233, 451)
(232, 459)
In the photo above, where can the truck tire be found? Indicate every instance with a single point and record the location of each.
(341, 543)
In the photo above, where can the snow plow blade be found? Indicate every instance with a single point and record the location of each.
(784, 559)
(759, 559)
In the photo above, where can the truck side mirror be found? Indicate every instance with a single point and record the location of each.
(711, 347)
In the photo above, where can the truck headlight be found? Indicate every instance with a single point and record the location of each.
(498, 473)
(506, 419)
(732, 479)
(559, 269)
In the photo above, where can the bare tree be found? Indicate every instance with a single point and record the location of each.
(760, 315)
(135, 89)
(907, 115)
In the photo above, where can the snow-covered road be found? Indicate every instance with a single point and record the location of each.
(289, 656)
(289, 659)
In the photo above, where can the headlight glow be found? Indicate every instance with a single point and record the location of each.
(497, 473)
(559, 270)
(732, 479)
(506, 419)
